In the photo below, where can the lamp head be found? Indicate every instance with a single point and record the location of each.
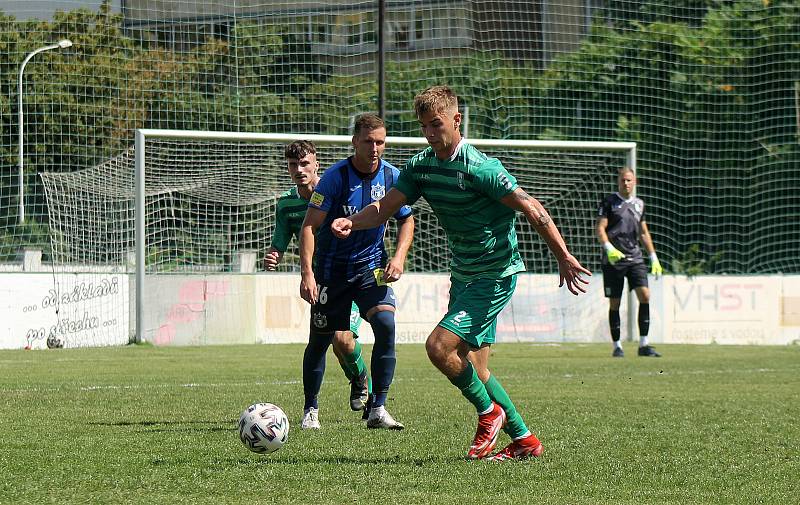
(64, 43)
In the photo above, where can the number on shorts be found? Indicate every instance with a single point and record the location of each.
(458, 317)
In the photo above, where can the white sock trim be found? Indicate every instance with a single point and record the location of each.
(491, 408)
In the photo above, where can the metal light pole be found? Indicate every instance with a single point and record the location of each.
(61, 44)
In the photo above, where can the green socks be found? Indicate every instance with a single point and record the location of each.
(473, 389)
(515, 426)
(354, 366)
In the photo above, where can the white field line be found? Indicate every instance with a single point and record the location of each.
(107, 387)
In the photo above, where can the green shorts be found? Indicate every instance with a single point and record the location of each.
(474, 306)
(355, 319)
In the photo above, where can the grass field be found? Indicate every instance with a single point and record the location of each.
(140, 424)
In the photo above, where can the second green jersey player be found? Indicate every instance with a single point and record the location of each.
(475, 200)
(302, 165)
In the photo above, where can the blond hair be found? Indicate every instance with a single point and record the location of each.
(436, 99)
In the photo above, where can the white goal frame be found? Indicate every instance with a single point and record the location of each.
(143, 135)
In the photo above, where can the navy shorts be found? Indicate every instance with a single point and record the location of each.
(336, 296)
(614, 277)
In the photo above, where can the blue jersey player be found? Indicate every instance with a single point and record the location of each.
(620, 227)
(336, 272)
(302, 166)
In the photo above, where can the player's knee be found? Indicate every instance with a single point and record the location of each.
(343, 343)
(437, 351)
(382, 322)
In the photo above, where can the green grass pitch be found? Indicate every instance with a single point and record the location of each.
(140, 424)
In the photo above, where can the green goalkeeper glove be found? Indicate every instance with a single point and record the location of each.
(655, 265)
(613, 253)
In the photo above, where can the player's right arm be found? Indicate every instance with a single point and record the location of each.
(272, 258)
(280, 239)
(308, 284)
(371, 216)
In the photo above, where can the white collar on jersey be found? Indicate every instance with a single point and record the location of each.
(628, 200)
(458, 149)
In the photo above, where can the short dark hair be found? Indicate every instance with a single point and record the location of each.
(299, 149)
(367, 122)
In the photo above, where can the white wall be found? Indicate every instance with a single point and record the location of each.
(266, 308)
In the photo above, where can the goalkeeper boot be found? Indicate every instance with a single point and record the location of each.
(380, 418)
(618, 352)
(648, 351)
(310, 419)
(522, 448)
(489, 426)
(359, 393)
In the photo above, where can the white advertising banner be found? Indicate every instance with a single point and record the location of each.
(722, 310)
(74, 310)
(790, 309)
(95, 310)
(200, 309)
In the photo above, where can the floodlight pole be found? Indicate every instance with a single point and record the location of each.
(61, 44)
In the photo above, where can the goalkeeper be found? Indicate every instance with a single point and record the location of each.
(620, 227)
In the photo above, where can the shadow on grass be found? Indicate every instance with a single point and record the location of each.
(168, 426)
(268, 459)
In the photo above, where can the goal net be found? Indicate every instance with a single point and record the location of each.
(204, 204)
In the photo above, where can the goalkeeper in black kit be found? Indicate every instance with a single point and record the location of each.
(620, 227)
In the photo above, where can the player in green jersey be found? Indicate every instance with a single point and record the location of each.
(302, 165)
(475, 200)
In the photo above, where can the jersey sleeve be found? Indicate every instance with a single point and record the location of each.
(494, 180)
(405, 210)
(406, 184)
(604, 209)
(281, 236)
(329, 186)
(403, 213)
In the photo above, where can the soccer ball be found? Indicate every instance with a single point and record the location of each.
(263, 428)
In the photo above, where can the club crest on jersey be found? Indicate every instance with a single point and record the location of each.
(320, 320)
(460, 180)
(317, 199)
(637, 207)
(377, 192)
(504, 181)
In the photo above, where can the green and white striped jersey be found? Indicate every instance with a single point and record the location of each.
(464, 193)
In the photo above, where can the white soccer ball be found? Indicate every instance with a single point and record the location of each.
(263, 428)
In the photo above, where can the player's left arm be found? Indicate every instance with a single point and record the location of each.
(647, 240)
(569, 267)
(396, 264)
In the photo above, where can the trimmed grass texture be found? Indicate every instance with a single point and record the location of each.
(141, 424)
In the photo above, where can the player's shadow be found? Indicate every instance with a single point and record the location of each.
(168, 426)
(354, 460)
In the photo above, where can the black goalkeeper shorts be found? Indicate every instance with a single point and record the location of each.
(614, 277)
